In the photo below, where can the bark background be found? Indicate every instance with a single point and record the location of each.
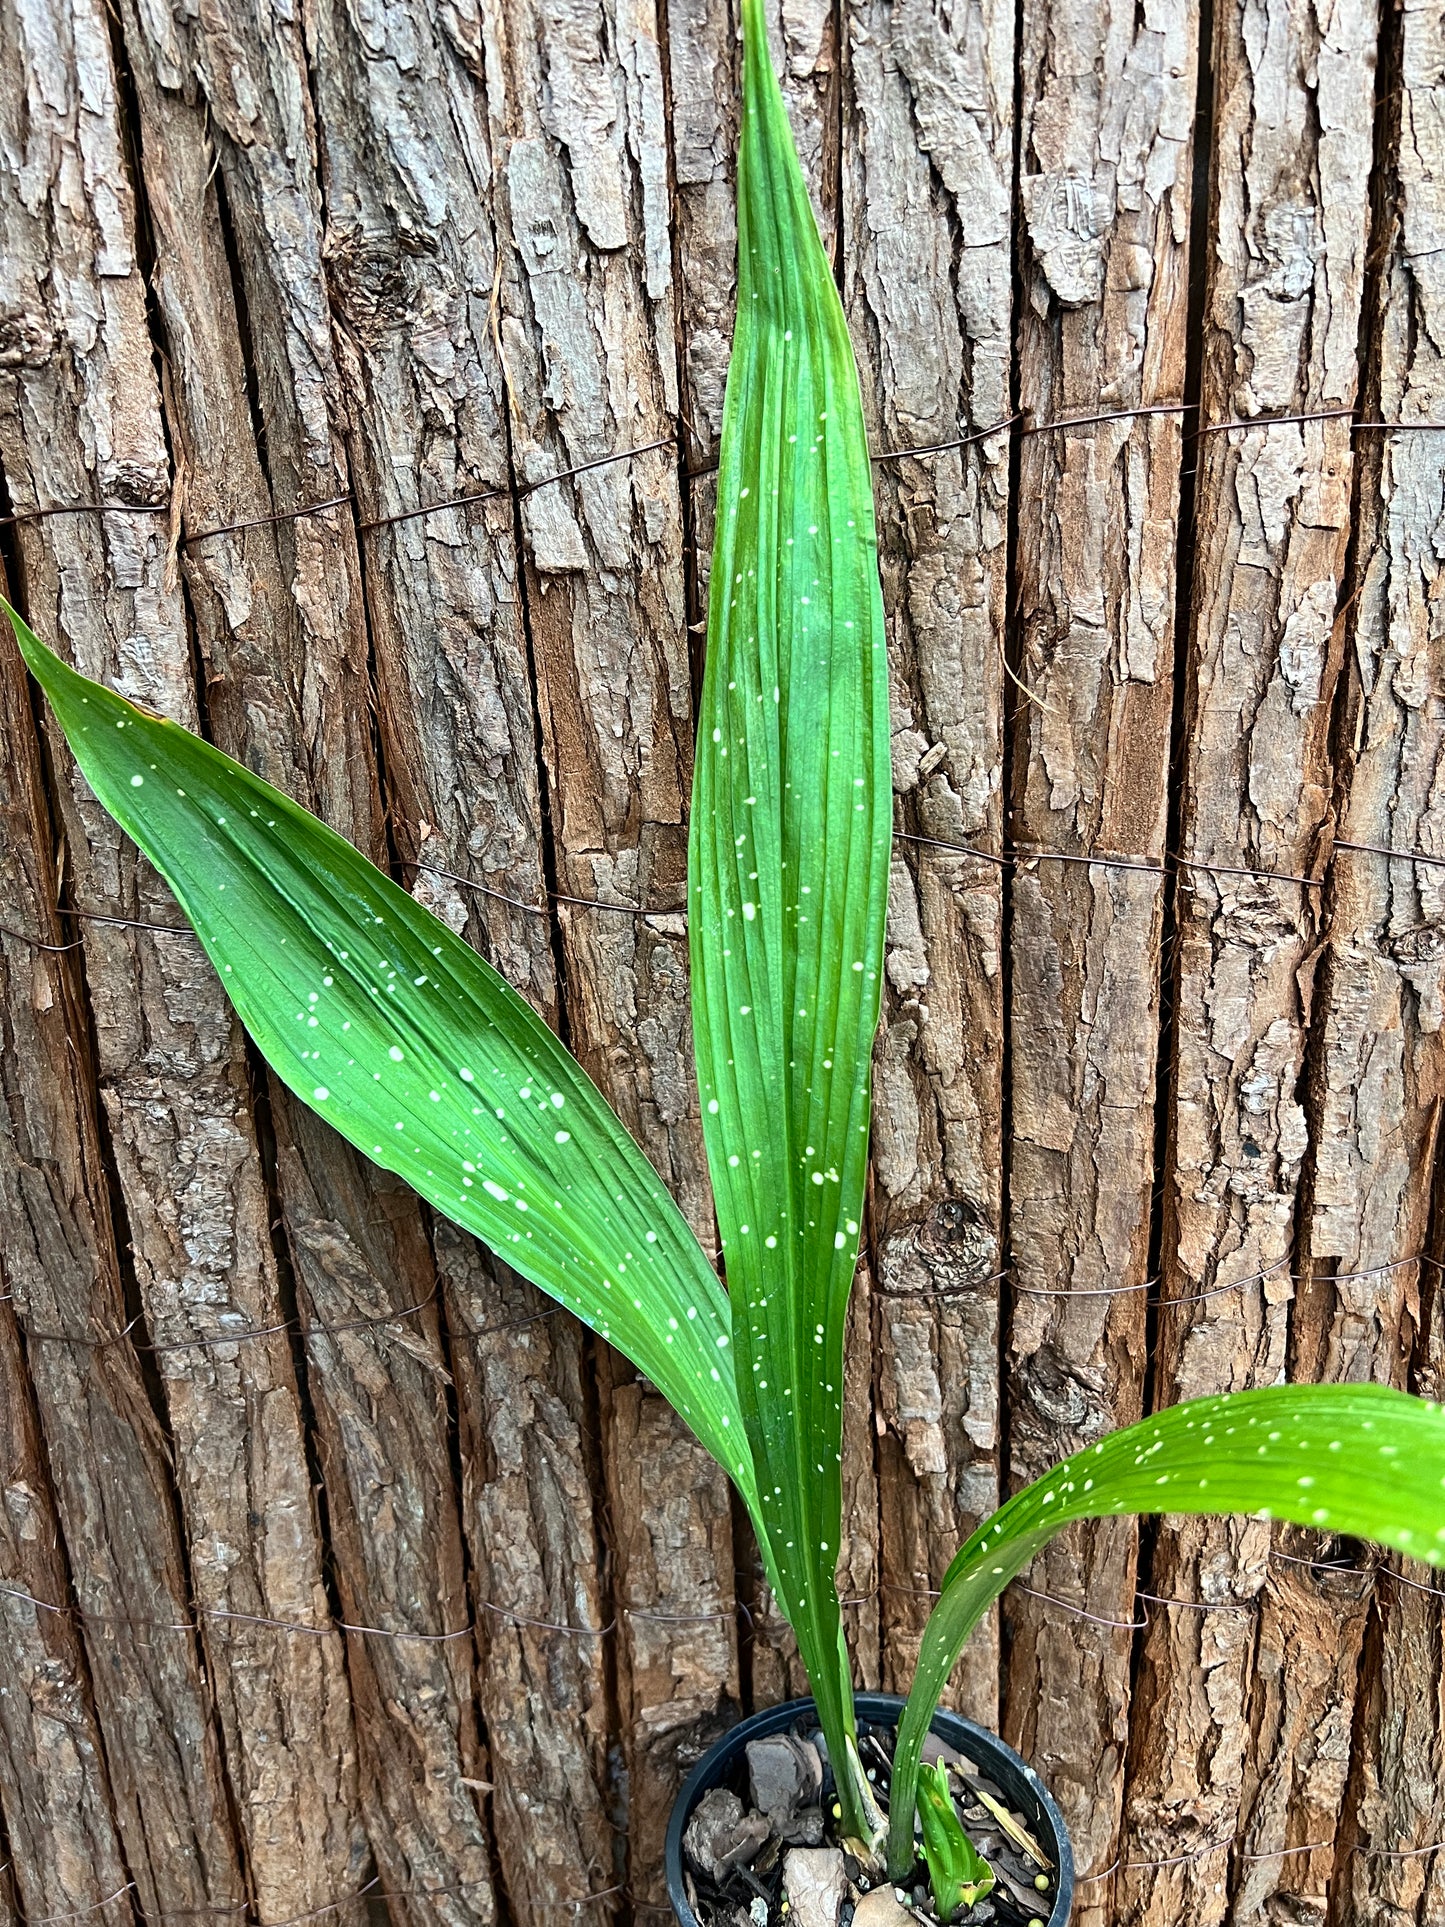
(333, 1564)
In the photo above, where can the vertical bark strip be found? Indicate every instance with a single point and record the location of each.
(412, 276)
(528, 1478)
(1106, 156)
(1380, 1067)
(586, 326)
(927, 162)
(1305, 1678)
(1292, 143)
(54, 1789)
(229, 170)
(411, 271)
(1380, 1072)
(55, 1796)
(103, 1448)
(673, 1552)
(1381, 1876)
(170, 1052)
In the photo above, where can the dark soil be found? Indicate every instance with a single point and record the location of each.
(750, 1893)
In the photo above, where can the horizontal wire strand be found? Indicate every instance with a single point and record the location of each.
(372, 1891)
(553, 896)
(1214, 1291)
(223, 1340)
(267, 521)
(1020, 422)
(1000, 860)
(1121, 1865)
(1079, 1612)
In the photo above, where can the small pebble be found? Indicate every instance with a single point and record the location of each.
(815, 1885)
(881, 1908)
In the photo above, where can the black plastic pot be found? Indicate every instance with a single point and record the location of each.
(723, 1765)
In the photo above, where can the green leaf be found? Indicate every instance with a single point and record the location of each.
(1360, 1460)
(957, 1872)
(413, 1048)
(788, 864)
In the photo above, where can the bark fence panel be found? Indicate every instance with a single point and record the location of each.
(316, 273)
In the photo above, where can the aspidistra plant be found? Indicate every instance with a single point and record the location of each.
(375, 1014)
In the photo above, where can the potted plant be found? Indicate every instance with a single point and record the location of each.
(392, 1028)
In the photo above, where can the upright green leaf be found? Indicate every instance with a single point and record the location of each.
(791, 826)
(957, 1872)
(400, 1036)
(1361, 1460)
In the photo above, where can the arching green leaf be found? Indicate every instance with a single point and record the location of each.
(1355, 1459)
(413, 1048)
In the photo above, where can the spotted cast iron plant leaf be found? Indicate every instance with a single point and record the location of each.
(402, 1038)
(1362, 1460)
(788, 871)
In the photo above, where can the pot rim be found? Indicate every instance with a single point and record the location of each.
(881, 1709)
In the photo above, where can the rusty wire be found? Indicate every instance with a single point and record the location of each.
(85, 1616)
(1020, 421)
(267, 521)
(1141, 1597)
(1078, 1612)
(1019, 855)
(222, 1341)
(462, 1333)
(520, 489)
(1120, 1865)
(370, 1892)
(1216, 1291)
(226, 1614)
(553, 896)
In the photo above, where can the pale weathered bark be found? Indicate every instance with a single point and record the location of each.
(1379, 1067)
(55, 1798)
(228, 169)
(1108, 110)
(575, 103)
(1382, 1878)
(1302, 1710)
(412, 276)
(170, 1054)
(399, 256)
(54, 1790)
(927, 160)
(676, 1555)
(103, 1447)
(1291, 144)
(528, 1477)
